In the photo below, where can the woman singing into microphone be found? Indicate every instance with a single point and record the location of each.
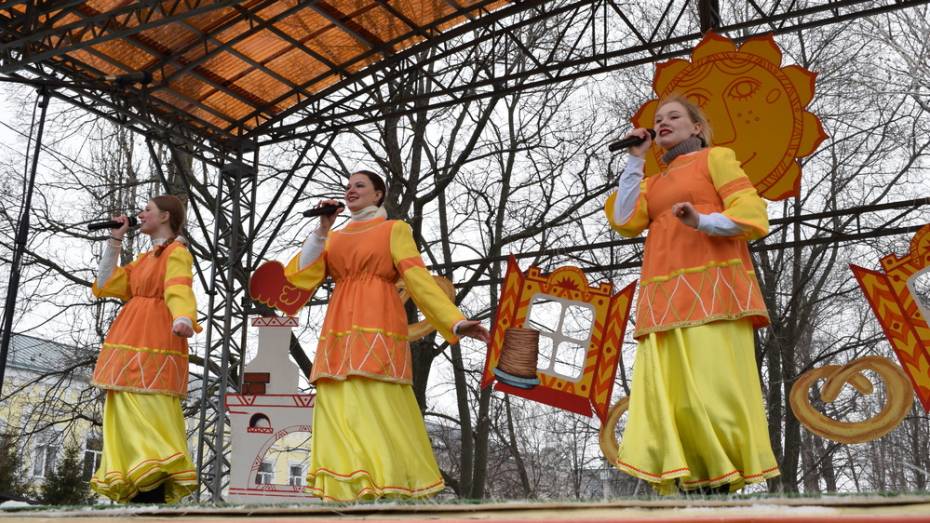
(696, 417)
(369, 440)
(143, 362)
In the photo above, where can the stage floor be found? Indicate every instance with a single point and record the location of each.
(845, 509)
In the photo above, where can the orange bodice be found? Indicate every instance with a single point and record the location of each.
(140, 353)
(365, 329)
(689, 277)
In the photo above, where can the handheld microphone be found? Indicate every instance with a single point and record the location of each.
(630, 142)
(137, 77)
(325, 209)
(112, 224)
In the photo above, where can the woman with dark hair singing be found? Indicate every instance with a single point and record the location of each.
(143, 362)
(696, 417)
(369, 440)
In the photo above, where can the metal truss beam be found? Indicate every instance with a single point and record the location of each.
(97, 28)
(609, 41)
(227, 46)
(588, 37)
(43, 50)
(140, 113)
(352, 28)
(358, 79)
(709, 13)
(636, 262)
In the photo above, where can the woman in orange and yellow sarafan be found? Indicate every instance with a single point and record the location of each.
(143, 362)
(696, 416)
(369, 440)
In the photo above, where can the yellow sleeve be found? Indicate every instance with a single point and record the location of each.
(429, 297)
(741, 201)
(311, 276)
(117, 285)
(638, 221)
(179, 280)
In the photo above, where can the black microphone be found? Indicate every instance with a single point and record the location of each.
(137, 77)
(112, 224)
(630, 142)
(325, 209)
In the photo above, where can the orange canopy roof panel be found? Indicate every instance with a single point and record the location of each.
(235, 65)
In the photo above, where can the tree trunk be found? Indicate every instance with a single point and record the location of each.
(515, 451)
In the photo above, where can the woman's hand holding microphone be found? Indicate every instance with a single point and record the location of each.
(640, 150)
(117, 234)
(327, 220)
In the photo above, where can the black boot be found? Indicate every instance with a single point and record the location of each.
(703, 492)
(156, 495)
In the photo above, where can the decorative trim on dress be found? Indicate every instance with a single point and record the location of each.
(373, 489)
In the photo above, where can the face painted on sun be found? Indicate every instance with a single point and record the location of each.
(749, 112)
(361, 193)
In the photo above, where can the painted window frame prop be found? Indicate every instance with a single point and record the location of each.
(591, 393)
(889, 293)
(557, 335)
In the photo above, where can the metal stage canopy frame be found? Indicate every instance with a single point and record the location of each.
(218, 79)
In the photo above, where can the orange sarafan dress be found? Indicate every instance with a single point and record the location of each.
(369, 440)
(143, 368)
(696, 416)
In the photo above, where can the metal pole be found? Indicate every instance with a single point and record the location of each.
(249, 246)
(19, 246)
(208, 348)
(709, 14)
(236, 172)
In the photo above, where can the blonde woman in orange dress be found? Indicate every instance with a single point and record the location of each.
(143, 362)
(369, 440)
(696, 416)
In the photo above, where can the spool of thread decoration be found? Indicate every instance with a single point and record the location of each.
(519, 356)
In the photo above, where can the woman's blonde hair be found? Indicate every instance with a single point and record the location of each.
(694, 113)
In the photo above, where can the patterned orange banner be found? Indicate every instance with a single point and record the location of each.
(891, 296)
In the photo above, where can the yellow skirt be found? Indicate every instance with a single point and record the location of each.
(144, 446)
(369, 442)
(696, 417)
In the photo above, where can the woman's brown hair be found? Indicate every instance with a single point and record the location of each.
(176, 217)
(694, 113)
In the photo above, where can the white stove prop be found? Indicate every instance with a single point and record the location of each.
(270, 422)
